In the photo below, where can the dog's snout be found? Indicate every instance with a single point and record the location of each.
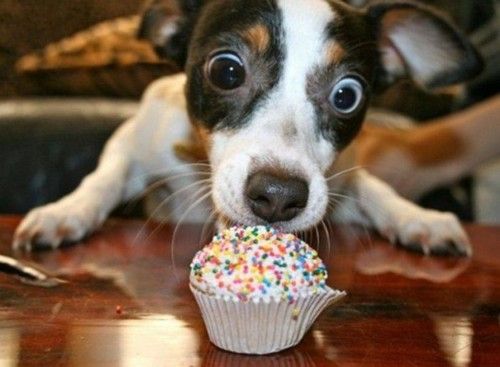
(276, 198)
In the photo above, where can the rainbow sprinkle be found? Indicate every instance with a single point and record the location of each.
(258, 263)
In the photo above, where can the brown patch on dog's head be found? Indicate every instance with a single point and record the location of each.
(334, 53)
(189, 151)
(258, 37)
(203, 137)
(194, 150)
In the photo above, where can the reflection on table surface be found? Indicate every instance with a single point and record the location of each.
(125, 302)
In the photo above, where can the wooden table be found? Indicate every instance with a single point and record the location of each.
(125, 302)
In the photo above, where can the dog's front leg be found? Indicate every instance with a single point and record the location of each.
(83, 210)
(407, 224)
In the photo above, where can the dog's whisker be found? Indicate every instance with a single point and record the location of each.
(311, 240)
(342, 196)
(327, 234)
(332, 195)
(297, 234)
(204, 183)
(337, 174)
(403, 183)
(303, 235)
(335, 202)
(165, 201)
(165, 220)
(362, 225)
(316, 232)
(160, 182)
(308, 236)
(161, 223)
(200, 166)
(179, 222)
(207, 224)
(330, 224)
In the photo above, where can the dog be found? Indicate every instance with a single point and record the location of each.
(432, 155)
(273, 93)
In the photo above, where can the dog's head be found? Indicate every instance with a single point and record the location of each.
(278, 88)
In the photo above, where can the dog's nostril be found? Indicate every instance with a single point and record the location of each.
(295, 205)
(276, 198)
(262, 200)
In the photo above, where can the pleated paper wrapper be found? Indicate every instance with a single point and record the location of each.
(261, 328)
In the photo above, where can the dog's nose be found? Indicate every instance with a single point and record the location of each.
(276, 198)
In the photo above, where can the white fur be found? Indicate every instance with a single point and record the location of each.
(424, 50)
(264, 141)
(401, 221)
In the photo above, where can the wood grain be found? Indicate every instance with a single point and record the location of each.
(402, 309)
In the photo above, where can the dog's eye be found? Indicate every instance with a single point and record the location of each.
(226, 71)
(347, 96)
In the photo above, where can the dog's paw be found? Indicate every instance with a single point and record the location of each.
(53, 224)
(428, 231)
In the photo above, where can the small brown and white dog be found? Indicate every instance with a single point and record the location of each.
(274, 92)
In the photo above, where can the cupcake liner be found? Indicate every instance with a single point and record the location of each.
(261, 328)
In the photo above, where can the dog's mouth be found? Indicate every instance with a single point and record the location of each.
(227, 222)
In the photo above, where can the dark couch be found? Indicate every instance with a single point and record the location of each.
(48, 145)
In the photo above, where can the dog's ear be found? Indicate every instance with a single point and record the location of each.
(168, 24)
(417, 42)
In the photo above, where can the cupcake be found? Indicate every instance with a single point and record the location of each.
(259, 290)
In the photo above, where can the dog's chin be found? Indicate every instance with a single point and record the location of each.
(285, 226)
